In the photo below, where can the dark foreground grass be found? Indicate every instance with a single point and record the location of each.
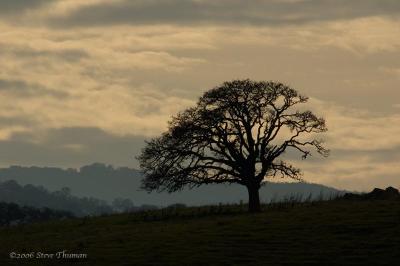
(324, 233)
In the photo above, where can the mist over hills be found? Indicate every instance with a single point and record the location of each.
(106, 182)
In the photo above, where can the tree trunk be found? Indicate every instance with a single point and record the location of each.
(254, 199)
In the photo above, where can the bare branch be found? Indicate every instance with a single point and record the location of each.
(233, 128)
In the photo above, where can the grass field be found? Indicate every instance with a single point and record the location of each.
(322, 233)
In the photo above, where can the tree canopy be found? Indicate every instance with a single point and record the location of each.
(236, 133)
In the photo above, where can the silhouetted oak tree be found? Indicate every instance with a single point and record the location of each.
(235, 134)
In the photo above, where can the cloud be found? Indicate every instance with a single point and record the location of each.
(354, 129)
(361, 170)
(226, 12)
(14, 6)
(391, 71)
(69, 55)
(21, 88)
(89, 79)
(364, 149)
(360, 36)
(70, 147)
(114, 109)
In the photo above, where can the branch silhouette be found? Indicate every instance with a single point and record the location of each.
(235, 134)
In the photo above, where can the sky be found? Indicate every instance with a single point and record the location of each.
(85, 81)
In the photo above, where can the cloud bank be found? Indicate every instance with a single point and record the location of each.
(225, 12)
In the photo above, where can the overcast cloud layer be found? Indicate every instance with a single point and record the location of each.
(85, 81)
(231, 12)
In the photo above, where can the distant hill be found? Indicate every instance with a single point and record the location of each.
(39, 197)
(107, 183)
(13, 214)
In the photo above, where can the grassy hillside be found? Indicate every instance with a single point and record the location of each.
(336, 232)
